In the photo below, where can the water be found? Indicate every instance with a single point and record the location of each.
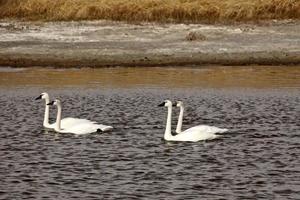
(257, 159)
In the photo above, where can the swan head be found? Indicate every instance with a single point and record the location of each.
(166, 103)
(179, 104)
(55, 102)
(43, 95)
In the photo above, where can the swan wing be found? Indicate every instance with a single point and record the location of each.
(81, 129)
(70, 122)
(207, 129)
(86, 128)
(195, 134)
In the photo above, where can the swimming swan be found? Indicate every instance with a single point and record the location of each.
(201, 128)
(81, 128)
(65, 123)
(192, 135)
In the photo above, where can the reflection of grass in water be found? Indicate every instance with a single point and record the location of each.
(151, 10)
(204, 77)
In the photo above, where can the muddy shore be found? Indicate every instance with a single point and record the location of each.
(104, 43)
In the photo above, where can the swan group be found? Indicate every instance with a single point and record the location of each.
(70, 125)
(85, 126)
(194, 134)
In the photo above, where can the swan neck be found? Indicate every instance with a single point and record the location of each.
(180, 118)
(168, 135)
(46, 115)
(58, 118)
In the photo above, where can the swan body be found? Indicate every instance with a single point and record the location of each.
(80, 128)
(66, 122)
(70, 122)
(83, 128)
(205, 129)
(191, 135)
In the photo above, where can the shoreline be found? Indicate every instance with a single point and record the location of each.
(78, 61)
(108, 44)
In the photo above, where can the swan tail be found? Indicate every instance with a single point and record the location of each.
(222, 130)
(103, 128)
(99, 130)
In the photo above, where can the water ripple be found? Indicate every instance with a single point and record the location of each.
(257, 159)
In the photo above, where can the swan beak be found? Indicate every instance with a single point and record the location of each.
(50, 104)
(39, 97)
(174, 104)
(162, 104)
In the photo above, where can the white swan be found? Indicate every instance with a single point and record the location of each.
(81, 128)
(205, 129)
(192, 135)
(65, 123)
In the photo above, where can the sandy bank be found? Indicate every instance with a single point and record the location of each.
(103, 43)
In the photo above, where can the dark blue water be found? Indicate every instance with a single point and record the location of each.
(257, 159)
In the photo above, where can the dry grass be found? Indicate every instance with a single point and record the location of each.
(151, 10)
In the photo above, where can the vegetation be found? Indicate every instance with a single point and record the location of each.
(151, 10)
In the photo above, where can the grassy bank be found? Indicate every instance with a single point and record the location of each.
(151, 10)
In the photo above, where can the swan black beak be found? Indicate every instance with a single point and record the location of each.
(50, 104)
(162, 104)
(174, 104)
(39, 97)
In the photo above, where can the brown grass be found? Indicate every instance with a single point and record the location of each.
(151, 10)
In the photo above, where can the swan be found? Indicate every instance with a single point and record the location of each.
(65, 123)
(205, 129)
(81, 128)
(190, 135)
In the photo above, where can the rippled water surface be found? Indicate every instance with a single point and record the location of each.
(257, 159)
